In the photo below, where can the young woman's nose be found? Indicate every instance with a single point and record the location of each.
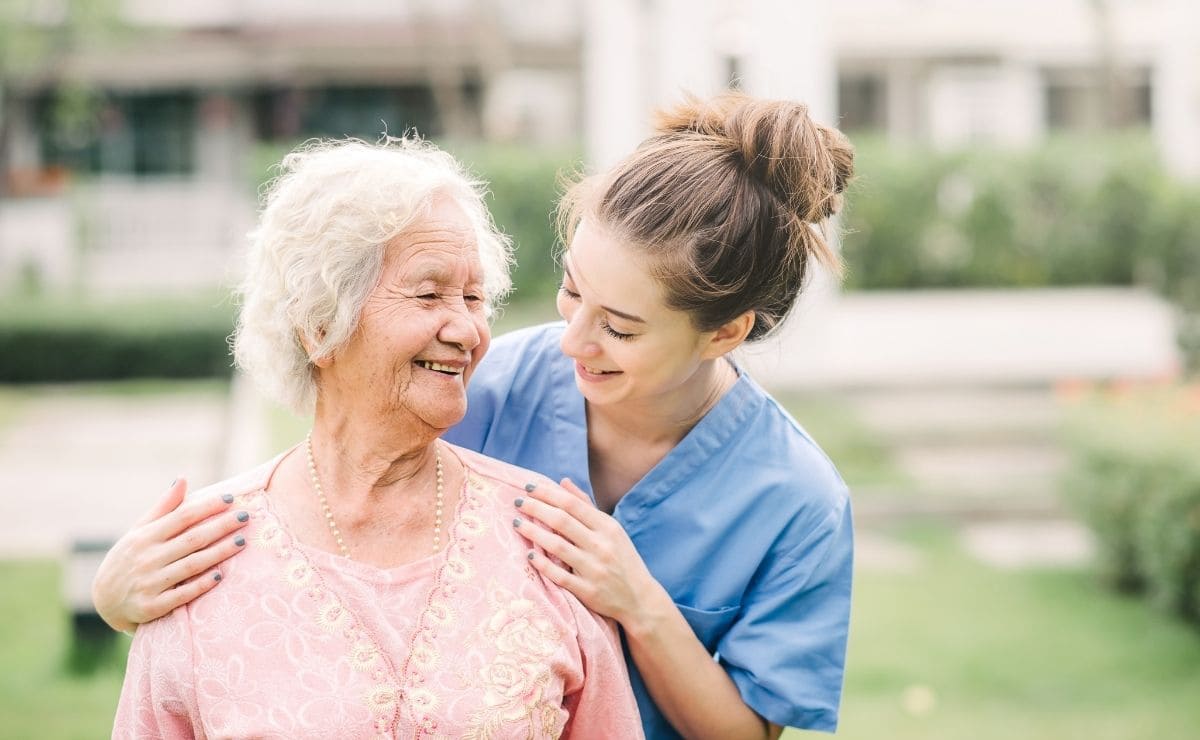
(577, 340)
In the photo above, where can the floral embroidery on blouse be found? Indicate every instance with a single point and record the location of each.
(514, 683)
(332, 616)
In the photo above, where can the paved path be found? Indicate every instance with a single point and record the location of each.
(78, 467)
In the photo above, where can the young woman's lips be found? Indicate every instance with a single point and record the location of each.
(594, 375)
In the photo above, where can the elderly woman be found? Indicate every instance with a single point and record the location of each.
(383, 589)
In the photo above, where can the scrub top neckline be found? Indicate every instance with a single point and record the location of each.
(724, 420)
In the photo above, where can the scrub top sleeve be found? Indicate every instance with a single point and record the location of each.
(786, 652)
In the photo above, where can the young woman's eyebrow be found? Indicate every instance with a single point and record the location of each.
(613, 311)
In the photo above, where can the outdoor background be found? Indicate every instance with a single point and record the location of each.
(1006, 378)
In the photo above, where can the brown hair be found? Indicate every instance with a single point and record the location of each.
(729, 198)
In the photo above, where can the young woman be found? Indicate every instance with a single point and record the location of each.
(719, 527)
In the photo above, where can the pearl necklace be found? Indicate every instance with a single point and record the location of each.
(333, 527)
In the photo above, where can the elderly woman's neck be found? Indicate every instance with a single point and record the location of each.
(363, 458)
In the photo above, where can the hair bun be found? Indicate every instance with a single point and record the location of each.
(805, 164)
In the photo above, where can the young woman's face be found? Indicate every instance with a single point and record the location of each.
(626, 343)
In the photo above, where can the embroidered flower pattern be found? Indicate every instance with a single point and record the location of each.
(515, 683)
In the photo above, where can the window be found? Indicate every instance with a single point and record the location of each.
(862, 101)
(141, 134)
(1089, 99)
(338, 111)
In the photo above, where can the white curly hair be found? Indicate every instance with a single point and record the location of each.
(317, 252)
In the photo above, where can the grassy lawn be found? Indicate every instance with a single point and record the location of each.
(39, 697)
(952, 650)
(959, 650)
(11, 400)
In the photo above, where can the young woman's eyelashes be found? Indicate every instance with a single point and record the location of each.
(604, 325)
(607, 328)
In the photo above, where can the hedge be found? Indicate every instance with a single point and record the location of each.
(48, 341)
(1078, 211)
(524, 186)
(1070, 211)
(1135, 480)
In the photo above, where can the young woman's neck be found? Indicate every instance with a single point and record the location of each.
(666, 419)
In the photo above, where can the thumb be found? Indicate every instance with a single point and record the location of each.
(166, 503)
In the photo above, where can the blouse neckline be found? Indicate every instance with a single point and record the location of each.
(330, 561)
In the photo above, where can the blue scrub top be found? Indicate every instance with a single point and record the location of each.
(746, 523)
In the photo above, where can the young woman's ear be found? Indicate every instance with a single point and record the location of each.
(728, 337)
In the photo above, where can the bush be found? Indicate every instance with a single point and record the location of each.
(1078, 211)
(42, 341)
(523, 191)
(1135, 480)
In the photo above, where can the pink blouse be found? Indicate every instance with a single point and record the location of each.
(299, 643)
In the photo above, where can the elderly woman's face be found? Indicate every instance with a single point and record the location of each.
(423, 329)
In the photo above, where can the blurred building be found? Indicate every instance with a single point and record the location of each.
(178, 97)
(165, 117)
(949, 72)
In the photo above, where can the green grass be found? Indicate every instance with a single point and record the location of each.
(39, 696)
(1031, 655)
(1045, 655)
(11, 401)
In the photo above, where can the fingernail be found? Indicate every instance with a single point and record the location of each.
(227, 498)
(173, 482)
(517, 522)
(517, 502)
(529, 487)
(239, 540)
(243, 516)
(530, 555)
(217, 576)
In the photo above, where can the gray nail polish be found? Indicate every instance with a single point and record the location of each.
(517, 502)
(529, 487)
(173, 482)
(217, 576)
(227, 498)
(530, 555)
(240, 541)
(243, 516)
(517, 522)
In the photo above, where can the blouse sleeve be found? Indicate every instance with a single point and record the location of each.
(603, 704)
(157, 699)
(787, 650)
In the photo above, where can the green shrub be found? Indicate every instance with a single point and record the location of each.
(1135, 480)
(42, 341)
(1078, 211)
(523, 191)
